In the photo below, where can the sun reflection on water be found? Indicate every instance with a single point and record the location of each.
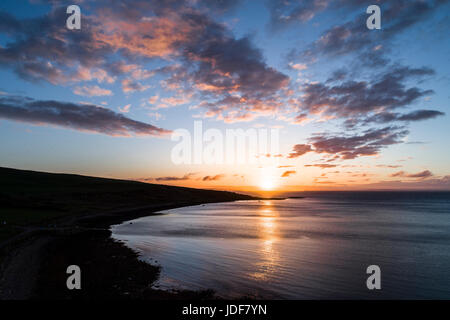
(269, 260)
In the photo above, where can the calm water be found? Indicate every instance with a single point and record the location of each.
(313, 248)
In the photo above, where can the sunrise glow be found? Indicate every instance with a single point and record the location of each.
(178, 93)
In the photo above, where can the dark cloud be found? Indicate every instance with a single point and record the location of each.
(299, 150)
(230, 73)
(81, 117)
(288, 173)
(352, 98)
(417, 115)
(369, 143)
(204, 54)
(129, 85)
(338, 75)
(228, 65)
(301, 118)
(42, 48)
(364, 103)
(420, 175)
(183, 178)
(213, 178)
(9, 24)
(416, 142)
(420, 115)
(375, 98)
(354, 36)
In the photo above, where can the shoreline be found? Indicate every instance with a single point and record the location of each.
(65, 218)
(110, 269)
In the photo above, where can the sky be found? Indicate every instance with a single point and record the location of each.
(354, 108)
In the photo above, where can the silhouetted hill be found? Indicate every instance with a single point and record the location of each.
(28, 197)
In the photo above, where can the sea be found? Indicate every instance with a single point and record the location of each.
(317, 245)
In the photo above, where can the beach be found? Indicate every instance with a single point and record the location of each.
(53, 221)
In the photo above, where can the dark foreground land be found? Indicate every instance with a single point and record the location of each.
(50, 221)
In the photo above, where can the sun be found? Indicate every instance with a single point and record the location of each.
(267, 179)
(267, 183)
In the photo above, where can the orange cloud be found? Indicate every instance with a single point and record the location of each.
(92, 91)
(213, 178)
(321, 165)
(149, 37)
(288, 173)
(421, 175)
(125, 109)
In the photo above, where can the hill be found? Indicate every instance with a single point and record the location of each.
(49, 221)
(28, 197)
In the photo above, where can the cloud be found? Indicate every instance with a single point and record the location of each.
(369, 143)
(298, 66)
(420, 175)
(301, 119)
(140, 74)
(118, 38)
(438, 183)
(361, 104)
(417, 115)
(325, 182)
(129, 85)
(322, 165)
(210, 59)
(283, 13)
(174, 101)
(352, 98)
(200, 56)
(227, 65)
(153, 99)
(183, 178)
(288, 173)
(353, 36)
(230, 73)
(89, 118)
(156, 115)
(86, 74)
(299, 150)
(388, 166)
(41, 49)
(358, 99)
(213, 178)
(125, 109)
(93, 91)
(420, 115)
(344, 147)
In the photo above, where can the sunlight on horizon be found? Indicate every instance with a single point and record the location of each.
(267, 180)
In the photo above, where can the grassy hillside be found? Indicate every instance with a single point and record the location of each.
(29, 197)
